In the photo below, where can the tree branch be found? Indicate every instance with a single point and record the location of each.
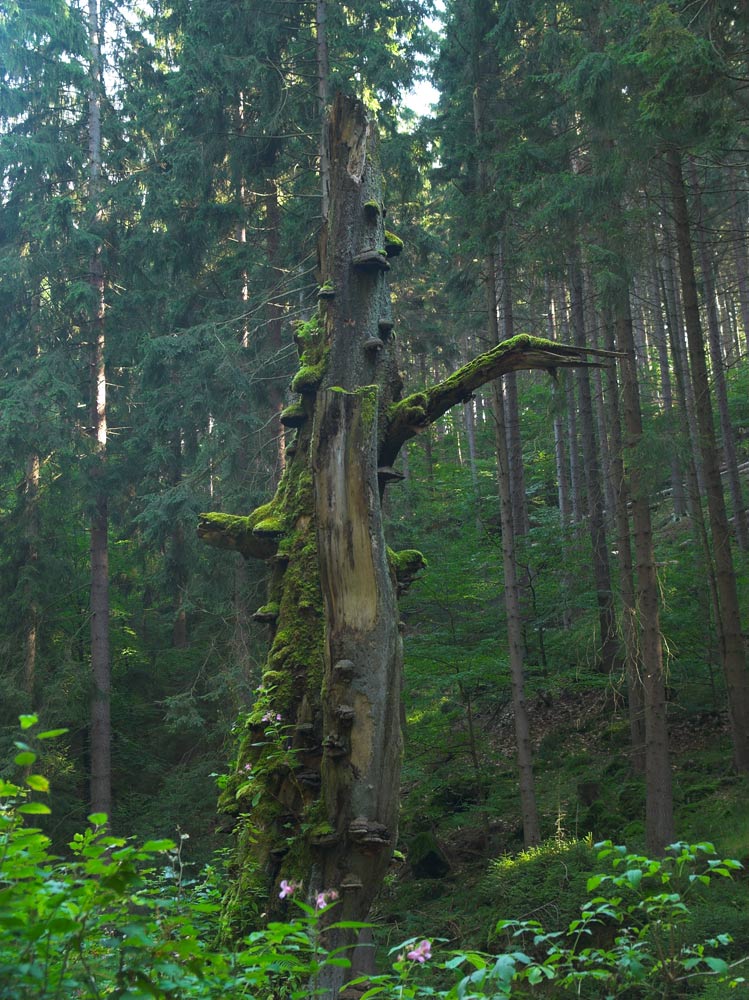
(418, 411)
(240, 534)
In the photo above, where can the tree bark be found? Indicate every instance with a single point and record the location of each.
(679, 356)
(661, 345)
(733, 654)
(515, 642)
(718, 369)
(31, 625)
(739, 253)
(630, 636)
(592, 325)
(573, 449)
(610, 653)
(323, 75)
(101, 736)
(659, 820)
(510, 398)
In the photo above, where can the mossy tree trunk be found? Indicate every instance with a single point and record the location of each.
(315, 783)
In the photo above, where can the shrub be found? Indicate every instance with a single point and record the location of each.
(117, 921)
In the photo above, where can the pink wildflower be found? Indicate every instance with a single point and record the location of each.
(287, 889)
(421, 952)
(247, 767)
(323, 898)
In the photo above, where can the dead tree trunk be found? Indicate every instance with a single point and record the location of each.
(316, 779)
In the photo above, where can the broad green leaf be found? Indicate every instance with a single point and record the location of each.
(27, 721)
(158, 845)
(634, 877)
(716, 964)
(51, 734)
(25, 758)
(34, 809)
(38, 782)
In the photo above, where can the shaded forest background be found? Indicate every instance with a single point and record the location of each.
(550, 176)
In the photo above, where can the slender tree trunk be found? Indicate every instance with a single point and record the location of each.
(592, 324)
(659, 821)
(427, 435)
(515, 640)
(638, 330)
(470, 426)
(661, 346)
(729, 323)
(630, 633)
(469, 422)
(516, 645)
(511, 403)
(732, 642)
(599, 545)
(275, 324)
(679, 357)
(739, 243)
(560, 457)
(576, 473)
(323, 75)
(718, 370)
(101, 738)
(31, 625)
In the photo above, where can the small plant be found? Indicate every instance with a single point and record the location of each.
(119, 920)
(630, 940)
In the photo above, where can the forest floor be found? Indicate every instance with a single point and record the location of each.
(586, 792)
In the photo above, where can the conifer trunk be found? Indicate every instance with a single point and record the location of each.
(31, 624)
(664, 368)
(659, 821)
(516, 645)
(599, 545)
(323, 75)
(101, 792)
(718, 370)
(739, 252)
(630, 637)
(510, 400)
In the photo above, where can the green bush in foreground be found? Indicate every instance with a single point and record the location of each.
(112, 923)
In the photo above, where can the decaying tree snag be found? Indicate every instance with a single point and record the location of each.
(315, 785)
